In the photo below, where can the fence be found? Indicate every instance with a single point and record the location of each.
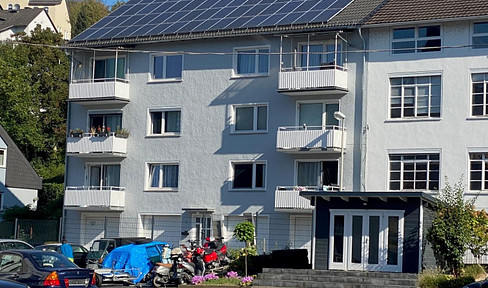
(32, 231)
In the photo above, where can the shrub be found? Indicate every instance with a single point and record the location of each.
(436, 279)
(476, 271)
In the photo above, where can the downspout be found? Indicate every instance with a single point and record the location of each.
(364, 120)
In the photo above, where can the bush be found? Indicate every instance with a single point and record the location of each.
(435, 279)
(476, 271)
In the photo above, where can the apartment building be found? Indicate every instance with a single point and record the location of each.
(219, 112)
(424, 110)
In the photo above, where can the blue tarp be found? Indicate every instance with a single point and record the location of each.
(134, 259)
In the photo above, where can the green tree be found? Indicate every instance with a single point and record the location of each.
(116, 5)
(85, 13)
(479, 233)
(244, 232)
(450, 233)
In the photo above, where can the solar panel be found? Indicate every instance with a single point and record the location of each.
(163, 17)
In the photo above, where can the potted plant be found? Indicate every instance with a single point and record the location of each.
(121, 133)
(102, 132)
(76, 132)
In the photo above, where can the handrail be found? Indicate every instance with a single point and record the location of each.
(314, 68)
(95, 80)
(90, 188)
(305, 127)
(308, 188)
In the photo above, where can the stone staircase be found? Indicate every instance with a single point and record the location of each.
(308, 278)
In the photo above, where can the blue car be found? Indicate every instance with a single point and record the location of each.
(4, 283)
(42, 269)
(481, 284)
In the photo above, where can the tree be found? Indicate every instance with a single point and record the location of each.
(85, 13)
(479, 233)
(244, 232)
(116, 5)
(450, 233)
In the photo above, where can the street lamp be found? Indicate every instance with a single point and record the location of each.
(341, 117)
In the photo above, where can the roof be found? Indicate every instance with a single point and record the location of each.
(141, 21)
(398, 11)
(44, 2)
(20, 173)
(371, 194)
(17, 18)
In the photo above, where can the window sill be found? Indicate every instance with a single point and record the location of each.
(244, 76)
(162, 190)
(159, 81)
(165, 135)
(246, 132)
(474, 118)
(247, 190)
(401, 120)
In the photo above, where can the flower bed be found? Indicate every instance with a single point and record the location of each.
(232, 279)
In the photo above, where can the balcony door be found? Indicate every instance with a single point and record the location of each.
(366, 240)
(114, 121)
(104, 176)
(318, 174)
(320, 55)
(106, 69)
(316, 115)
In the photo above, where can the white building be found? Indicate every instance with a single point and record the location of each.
(23, 20)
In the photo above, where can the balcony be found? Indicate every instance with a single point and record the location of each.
(288, 199)
(94, 198)
(309, 81)
(99, 91)
(313, 139)
(92, 145)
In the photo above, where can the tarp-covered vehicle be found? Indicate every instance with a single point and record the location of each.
(131, 263)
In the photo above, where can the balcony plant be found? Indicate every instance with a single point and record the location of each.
(102, 132)
(122, 133)
(76, 132)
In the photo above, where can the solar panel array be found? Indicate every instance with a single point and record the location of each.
(142, 18)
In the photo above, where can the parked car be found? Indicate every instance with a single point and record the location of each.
(79, 252)
(4, 283)
(42, 269)
(481, 284)
(7, 244)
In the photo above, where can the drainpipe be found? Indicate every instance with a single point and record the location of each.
(365, 128)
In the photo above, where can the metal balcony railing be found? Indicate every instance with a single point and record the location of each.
(92, 144)
(288, 197)
(294, 139)
(94, 197)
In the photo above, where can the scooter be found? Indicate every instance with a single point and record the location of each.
(165, 273)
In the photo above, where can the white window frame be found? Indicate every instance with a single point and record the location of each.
(92, 67)
(416, 40)
(4, 163)
(165, 63)
(101, 164)
(339, 54)
(484, 169)
(415, 107)
(413, 153)
(256, 49)
(163, 133)
(255, 107)
(473, 35)
(253, 185)
(324, 111)
(485, 94)
(148, 176)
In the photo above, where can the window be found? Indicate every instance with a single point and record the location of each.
(414, 172)
(165, 122)
(319, 55)
(104, 176)
(3, 158)
(249, 175)
(317, 115)
(416, 39)
(479, 98)
(415, 97)
(9, 7)
(480, 35)
(251, 118)
(167, 67)
(163, 176)
(318, 174)
(105, 69)
(10, 263)
(251, 61)
(17, 7)
(478, 171)
(100, 121)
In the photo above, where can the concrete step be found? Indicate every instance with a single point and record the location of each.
(308, 278)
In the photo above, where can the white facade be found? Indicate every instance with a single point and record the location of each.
(453, 135)
(209, 144)
(42, 19)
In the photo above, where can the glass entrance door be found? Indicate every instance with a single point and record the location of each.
(366, 240)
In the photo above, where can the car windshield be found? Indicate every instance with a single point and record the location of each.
(99, 246)
(52, 260)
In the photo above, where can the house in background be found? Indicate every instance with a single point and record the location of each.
(56, 9)
(19, 182)
(23, 20)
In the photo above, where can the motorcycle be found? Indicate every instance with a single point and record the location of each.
(214, 254)
(165, 273)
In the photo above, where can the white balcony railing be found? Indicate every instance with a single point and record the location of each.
(330, 78)
(314, 139)
(94, 198)
(100, 89)
(92, 145)
(288, 197)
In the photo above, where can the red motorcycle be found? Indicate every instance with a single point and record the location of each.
(214, 254)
